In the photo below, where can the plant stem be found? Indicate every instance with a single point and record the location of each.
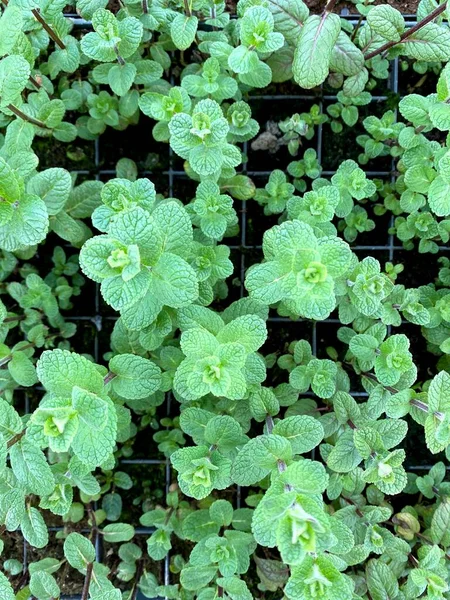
(135, 589)
(269, 423)
(109, 377)
(119, 58)
(16, 438)
(35, 82)
(5, 360)
(144, 7)
(22, 582)
(375, 378)
(414, 402)
(187, 8)
(330, 5)
(26, 117)
(282, 466)
(48, 29)
(358, 24)
(12, 319)
(409, 32)
(425, 408)
(357, 510)
(91, 514)
(87, 581)
(169, 514)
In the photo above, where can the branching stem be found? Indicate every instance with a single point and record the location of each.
(409, 32)
(120, 60)
(109, 377)
(34, 82)
(87, 581)
(187, 8)
(15, 439)
(26, 117)
(414, 402)
(330, 6)
(357, 26)
(135, 588)
(48, 29)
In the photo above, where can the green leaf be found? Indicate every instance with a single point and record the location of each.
(121, 77)
(195, 578)
(304, 433)
(83, 199)
(248, 330)
(60, 371)
(224, 432)
(31, 468)
(175, 226)
(6, 591)
(344, 456)
(11, 23)
(258, 457)
(96, 435)
(430, 43)
(14, 73)
(44, 586)
(11, 184)
(222, 512)
(415, 108)
(381, 581)
(289, 17)
(439, 197)
(34, 529)
(10, 422)
(199, 524)
(53, 186)
(235, 588)
(78, 551)
(346, 58)
(439, 392)
(22, 369)
(440, 524)
(174, 281)
(136, 377)
(315, 46)
(306, 477)
(386, 21)
(263, 402)
(118, 532)
(183, 30)
(109, 595)
(27, 226)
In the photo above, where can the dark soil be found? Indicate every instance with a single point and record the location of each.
(315, 6)
(407, 7)
(69, 580)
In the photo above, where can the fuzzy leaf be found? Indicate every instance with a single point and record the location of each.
(315, 46)
(183, 30)
(136, 377)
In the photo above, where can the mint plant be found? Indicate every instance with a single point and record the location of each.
(300, 270)
(233, 385)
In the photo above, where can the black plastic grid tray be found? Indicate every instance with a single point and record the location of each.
(386, 252)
